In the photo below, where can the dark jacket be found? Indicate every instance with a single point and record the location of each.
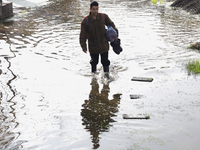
(97, 41)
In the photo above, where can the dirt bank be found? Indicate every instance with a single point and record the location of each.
(192, 6)
(195, 46)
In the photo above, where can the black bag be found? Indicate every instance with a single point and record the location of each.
(116, 46)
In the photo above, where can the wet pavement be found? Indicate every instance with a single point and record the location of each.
(50, 100)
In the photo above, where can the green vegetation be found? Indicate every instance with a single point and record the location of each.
(154, 1)
(161, 1)
(194, 66)
(147, 117)
(195, 46)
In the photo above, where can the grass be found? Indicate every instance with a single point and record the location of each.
(147, 117)
(194, 66)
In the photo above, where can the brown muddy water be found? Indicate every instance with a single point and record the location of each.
(50, 101)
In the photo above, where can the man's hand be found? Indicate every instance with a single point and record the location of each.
(85, 51)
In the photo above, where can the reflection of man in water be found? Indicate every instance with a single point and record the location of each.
(98, 110)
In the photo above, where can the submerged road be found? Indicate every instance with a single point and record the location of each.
(50, 100)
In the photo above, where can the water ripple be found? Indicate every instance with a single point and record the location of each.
(43, 92)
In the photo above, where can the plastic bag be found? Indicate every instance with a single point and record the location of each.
(111, 34)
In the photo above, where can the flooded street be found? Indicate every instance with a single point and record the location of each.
(50, 101)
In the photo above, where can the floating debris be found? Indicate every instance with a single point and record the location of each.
(143, 79)
(140, 116)
(135, 96)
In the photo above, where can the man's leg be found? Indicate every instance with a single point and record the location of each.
(105, 62)
(94, 61)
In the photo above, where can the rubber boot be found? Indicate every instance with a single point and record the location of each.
(106, 69)
(106, 72)
(94, 69)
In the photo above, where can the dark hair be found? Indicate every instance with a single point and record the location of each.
(94, 3)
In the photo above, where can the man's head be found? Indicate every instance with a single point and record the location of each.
(94, 3)
(94, 7)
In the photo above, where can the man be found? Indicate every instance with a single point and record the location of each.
(93, 28)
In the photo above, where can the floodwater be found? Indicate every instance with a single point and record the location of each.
(50, 101)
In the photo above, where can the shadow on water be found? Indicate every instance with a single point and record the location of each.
(98, 111)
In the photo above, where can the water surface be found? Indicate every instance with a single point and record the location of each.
(50, 100)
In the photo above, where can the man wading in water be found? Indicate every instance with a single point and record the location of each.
(93, 29)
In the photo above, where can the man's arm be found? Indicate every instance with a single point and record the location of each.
(82, 37)
(111, 23)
